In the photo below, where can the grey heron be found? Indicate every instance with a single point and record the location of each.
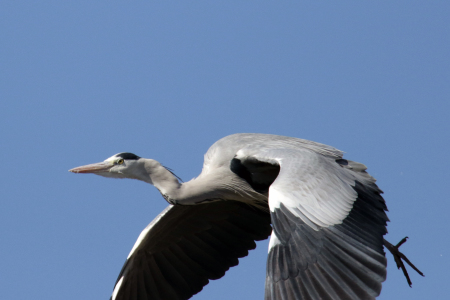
(325, 215)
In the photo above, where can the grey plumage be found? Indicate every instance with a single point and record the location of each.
(327, 215)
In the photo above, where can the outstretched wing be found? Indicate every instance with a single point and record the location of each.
(328, 224)
(184, 247)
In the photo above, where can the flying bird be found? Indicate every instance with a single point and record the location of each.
(324, 214)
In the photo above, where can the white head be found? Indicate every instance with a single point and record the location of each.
(121, 165)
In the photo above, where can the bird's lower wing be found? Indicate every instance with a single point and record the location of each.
(328, 222)
(186, 246)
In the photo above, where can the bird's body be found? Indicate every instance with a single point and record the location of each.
(327, 214)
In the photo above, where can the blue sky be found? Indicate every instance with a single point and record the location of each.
(83, 80)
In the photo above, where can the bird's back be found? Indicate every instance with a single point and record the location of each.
(222, 152)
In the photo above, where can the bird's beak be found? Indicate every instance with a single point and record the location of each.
(93, 168)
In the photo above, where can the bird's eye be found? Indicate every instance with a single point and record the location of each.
(119, 161)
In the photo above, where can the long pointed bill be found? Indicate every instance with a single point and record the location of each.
(93, 168)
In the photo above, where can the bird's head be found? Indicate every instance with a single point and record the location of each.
(121, 165)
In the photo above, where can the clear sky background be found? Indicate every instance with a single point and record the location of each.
(83, 80)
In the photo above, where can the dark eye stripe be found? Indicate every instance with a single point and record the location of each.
(127, 155)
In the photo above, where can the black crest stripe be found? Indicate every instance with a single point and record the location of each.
(127, 155)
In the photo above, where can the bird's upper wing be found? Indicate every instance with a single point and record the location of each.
(186, 246)
(328, 224)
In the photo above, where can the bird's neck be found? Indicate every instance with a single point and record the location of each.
(157, 175)
(193, 192)
(199, 190)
